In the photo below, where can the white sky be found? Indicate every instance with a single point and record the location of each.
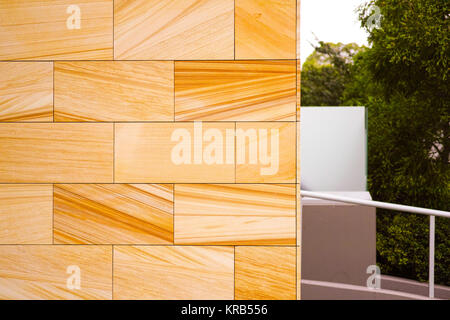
(330, 21)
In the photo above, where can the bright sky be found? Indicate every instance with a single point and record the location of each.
(330, 21)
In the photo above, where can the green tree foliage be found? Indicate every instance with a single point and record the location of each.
(403, 80)
(326, 72)
(406, 74)
(409, 59)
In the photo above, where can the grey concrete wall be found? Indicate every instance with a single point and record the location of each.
(338, 243)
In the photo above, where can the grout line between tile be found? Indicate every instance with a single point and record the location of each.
(173, 214)
(109, 60)
(150, 245)
(160, 122)
(234, 30)
(235, 152)
(114, 153)
(174, 92)
(53, 87)
(113, 35)
(296, 152)
(150, 182)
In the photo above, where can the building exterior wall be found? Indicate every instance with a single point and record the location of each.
(94, 100)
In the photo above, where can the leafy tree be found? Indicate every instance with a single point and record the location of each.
(409, 58)
(405, 78)
(326, 72)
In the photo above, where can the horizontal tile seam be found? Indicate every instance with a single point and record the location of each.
(137, 122)
(176, 60)
(175, 183)
(146, 245)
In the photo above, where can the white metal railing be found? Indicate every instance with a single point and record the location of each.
(396, 207)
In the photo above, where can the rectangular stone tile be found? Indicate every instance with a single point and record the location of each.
(265, 273)
(113, 214)
(174, 29)
(235, 90)
(26, 91)
(56, 152)
(174, 152)
(51, 272)
(265, 152)
(173, 273)
(235, 214)
(26, 214)
(48, 30)
(114, 91)
(265, 29)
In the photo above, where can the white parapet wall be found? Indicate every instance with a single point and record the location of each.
(333, 146)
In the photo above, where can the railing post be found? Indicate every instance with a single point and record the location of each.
(431, 258)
